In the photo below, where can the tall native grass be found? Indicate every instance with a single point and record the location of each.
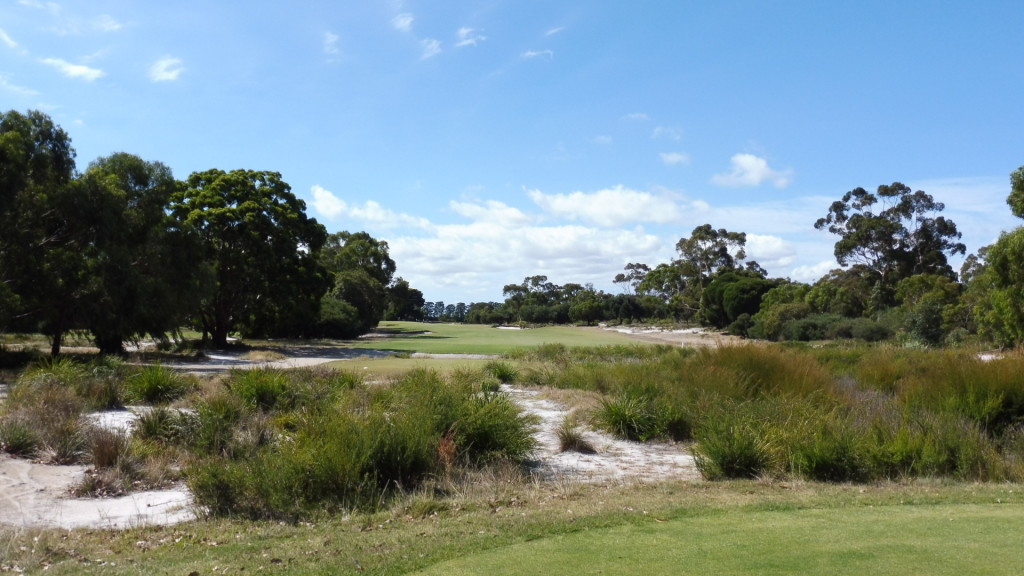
(849, 413)
(353, 449)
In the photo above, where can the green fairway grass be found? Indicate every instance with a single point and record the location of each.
(934, 540)
(431, 338)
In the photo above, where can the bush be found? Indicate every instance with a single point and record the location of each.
(570, 437)
(633, 417)
(262, 388)
(505, 373)
(157, 385)
(18, 437)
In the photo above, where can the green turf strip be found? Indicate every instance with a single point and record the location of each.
(933, 540)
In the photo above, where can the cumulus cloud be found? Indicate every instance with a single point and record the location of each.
(609, 207)
(74, 70)
(403, 22)
(770, 251)
(491, 212)
(533, 54)
(674, 158)
(813, 272)
(166, 69)
(750, 170)
(330, 206)
(326, 203)
(430, 48)
(469, 37)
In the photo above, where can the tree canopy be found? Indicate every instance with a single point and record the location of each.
(258, 245)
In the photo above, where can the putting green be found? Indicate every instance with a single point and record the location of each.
(934, 540)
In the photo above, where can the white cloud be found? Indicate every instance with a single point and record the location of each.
(750, 170)
(330, 206)
(7, 40)
(20, 90)
(74, 70)
(770, 251)
(166, 69)
(430, 47)
(637, 117)
(107, 23)
(492, 212)
(674, 158)
(812, 273)
(403, 22)
(331, 43)
(531, 54)
(668, 132)
(469, 37)
(609, 207)
(554, 31)
(326, 203)
(603, 139)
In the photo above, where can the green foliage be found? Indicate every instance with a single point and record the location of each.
(1016, 198)
(505, 372)
(262, 388)
(259, 246)
(633, 417)
(571, 439)
(157, 385)
(354, 451)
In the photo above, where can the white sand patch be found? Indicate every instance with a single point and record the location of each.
(615, 459)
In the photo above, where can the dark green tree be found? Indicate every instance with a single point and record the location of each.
(258, 244)
(140, 262)
(1016, 198)
(404, 302)
(42, 270)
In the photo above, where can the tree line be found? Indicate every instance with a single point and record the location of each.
(894, 280)
(123, 250)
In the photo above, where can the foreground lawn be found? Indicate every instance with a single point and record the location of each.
(500, 525)
(935, 540)
(439, 338)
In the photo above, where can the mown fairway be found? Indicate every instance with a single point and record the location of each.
(477, 339)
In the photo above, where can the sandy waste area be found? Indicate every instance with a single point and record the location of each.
(38, 495)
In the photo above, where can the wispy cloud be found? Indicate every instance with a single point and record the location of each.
(74, 70)
(7, 40)
(533, 54)
(430, 47)
(166, 69)
(403, 22)
(331, 44)
(674, 158)
(603, 139)
(553, 31)
(749, 170)
(468, 37)
(107, 23)
(668, 132)
(636, 117)
(14, 88)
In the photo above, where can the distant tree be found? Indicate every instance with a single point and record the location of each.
(633, 277)
(258, 244)
(732, 294)
(894, 233)
(404, 302)
(709, 251)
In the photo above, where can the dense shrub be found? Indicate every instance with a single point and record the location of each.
(157, 385)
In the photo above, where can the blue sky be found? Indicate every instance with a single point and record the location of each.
(489, 141)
